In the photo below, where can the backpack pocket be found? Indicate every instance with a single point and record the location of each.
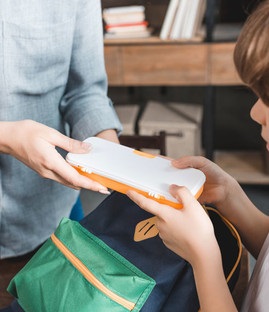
(76, 271)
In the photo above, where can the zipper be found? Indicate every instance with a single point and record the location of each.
(90, 276)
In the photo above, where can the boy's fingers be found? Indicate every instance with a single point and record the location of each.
(147, 204)
(189, 162)
(181, 194)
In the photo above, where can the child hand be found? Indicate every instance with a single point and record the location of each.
(188, 231)
(219, 184)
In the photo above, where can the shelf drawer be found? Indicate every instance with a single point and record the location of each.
(222, 69)
(165, 64)
(113, 64)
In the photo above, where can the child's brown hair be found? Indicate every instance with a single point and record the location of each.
(251, 55)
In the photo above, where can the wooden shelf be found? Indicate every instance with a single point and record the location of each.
(150, 40)
(247, 167)
(221, 69)
(156, 63)
(152, 61)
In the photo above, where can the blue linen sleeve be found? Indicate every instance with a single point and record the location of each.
(85, 105)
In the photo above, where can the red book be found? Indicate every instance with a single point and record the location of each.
(111, 26)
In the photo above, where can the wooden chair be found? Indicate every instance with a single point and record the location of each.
(145, 141)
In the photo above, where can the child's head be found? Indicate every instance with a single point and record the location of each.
(251, 55)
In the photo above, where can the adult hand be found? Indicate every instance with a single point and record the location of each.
(188, 231)
(34, 144)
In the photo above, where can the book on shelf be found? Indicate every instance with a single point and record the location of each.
(181, 12)
(126, 27)
(183, 19)
(189, 20)
(198, 23)
(126, 22)
(169, 19)
(129, 35)
(124, 14)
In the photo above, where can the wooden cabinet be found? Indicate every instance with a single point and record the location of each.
(221, 66)
(153, 62)
(156, 63)
(113, 61)
(164, 64)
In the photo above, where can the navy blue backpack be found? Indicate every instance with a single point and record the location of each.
(128, 230)
(115, 221)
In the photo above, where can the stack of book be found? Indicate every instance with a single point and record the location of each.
(126, 22)
(183, 19)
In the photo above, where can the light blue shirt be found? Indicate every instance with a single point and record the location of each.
(51, 71)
